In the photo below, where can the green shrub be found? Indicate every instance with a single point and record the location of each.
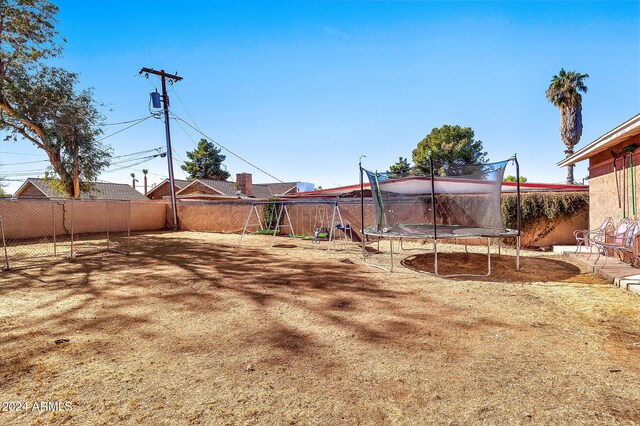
(271, 213)
(536, 205)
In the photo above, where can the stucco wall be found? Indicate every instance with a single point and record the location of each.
(230, 217)
(39, 218)
(603, 197)
(560, 230)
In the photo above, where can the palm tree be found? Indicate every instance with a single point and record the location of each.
(144, 172)
(133, 176)
(563, 92)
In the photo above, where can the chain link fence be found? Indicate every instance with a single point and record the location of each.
(36, 230)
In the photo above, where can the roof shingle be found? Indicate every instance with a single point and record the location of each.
(100, 191)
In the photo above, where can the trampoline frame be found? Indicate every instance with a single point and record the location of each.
(508, 233)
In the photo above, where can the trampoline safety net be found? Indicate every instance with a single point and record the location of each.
(466, 196)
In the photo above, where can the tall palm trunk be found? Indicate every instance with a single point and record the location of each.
(570, 178)
(570, 132)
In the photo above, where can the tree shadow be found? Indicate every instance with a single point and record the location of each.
(195, 279)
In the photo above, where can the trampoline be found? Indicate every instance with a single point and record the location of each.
(439, 201)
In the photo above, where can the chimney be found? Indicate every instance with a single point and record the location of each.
(244, 184)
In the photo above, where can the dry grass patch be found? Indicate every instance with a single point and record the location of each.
(192, 329)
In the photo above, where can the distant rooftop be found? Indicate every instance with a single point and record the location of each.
(100, 191)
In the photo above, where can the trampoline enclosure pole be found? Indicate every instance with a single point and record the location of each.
(433, 210)
(518, 212)
(361, 206)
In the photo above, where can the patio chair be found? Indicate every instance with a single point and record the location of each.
(621, 242)
(585, 237)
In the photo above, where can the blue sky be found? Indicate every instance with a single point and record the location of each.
(304, 88)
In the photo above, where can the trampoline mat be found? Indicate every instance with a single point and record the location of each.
(443, 231)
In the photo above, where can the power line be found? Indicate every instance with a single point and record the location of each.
(139, 152)
(123, 163)
(126, 128)
(185, 107)
(122, 122)
(195, 144)
(19, 153)
(138, 162)
(25, 162)
(228, 150)
(197, 129)
(180, 160)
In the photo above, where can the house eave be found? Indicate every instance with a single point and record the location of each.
(627, 129)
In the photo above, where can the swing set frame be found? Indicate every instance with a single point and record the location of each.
(282, 207)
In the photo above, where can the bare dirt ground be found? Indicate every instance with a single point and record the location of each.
(191, 329)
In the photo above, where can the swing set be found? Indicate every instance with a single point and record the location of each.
(317, 220)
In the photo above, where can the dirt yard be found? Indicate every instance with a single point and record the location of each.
(191, 329)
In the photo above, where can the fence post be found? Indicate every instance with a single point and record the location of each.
(53, 221)
(4, 245)
(72, 255)
(128, 226)
(106, 212)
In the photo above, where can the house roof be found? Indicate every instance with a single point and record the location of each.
(177, 182)
(613, 137)
(268, 190)
(260, 190)
(280, 188)
(100, 191)
(223, 187)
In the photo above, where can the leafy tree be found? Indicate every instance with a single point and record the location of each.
(512, 178)
(449, 145)
(42, 104)
(206, 162)
(402, 165)
(564, 92)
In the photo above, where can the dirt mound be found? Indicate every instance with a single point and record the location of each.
(532, 269)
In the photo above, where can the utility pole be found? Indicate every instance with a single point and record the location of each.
(165, 102)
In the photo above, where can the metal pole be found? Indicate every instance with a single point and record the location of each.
(489, 256)
(333, 218)
(276, 228)
(433, 208)
(286, 211)
(106, 212)
(4, 244)
(53, 221)
(72, 255)
(253, 205)
(362, 207)
(128, 227)
(518, 212)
